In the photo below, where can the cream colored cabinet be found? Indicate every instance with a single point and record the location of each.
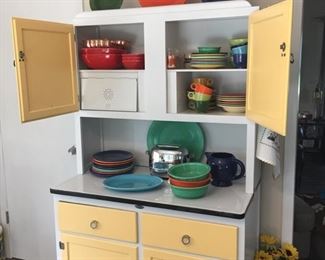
(45, 60)
(90, 232)
(46, 66)
(269, 65)
(158, 254)
(190, 236)
(78, 247)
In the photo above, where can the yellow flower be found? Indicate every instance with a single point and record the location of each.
(262, 255)
(268, 239)
(290, 251)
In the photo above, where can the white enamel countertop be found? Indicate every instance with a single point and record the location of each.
(230, 201)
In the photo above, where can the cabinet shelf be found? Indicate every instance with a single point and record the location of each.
(216, 117)
(208, 70)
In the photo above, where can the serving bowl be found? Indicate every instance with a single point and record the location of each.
(189, 184)
(238, 42)
(189, 193)
(147, 3)
(133, 65)
(209, 50)
(102, 61)
(103, 50)
(105, 4)
(192, 171)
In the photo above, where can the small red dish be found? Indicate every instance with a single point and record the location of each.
(102, 61)
(189, 184)
(103, 50)
(133, 55)
(145, 3)
(133, 65)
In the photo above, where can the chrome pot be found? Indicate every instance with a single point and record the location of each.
(162, 157)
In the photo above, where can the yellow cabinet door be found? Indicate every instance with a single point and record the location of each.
(268, 66)
(45, 60)
(82, 248)
(157, 254)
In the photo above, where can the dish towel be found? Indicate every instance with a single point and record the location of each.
(268, 149)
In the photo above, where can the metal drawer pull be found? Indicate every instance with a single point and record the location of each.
(186, 240)
(94, 224)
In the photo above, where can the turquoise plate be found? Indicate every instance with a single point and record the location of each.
(185, 134)
(132, 182)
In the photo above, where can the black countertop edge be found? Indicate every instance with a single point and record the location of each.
(139, 204)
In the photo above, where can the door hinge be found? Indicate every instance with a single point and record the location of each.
(61, 245)
(7, 217)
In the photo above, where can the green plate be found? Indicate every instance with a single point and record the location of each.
(185, 134)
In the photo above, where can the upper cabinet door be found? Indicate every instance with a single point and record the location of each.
(268, 66)
(45, 61)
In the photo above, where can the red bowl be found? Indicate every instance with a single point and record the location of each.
(103, 50)
(102, 61)
(133, 59)
(189, 184)
(132, 55)
(133, 65)
(145, 3)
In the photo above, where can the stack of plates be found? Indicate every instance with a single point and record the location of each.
(112, 162)
(231, 102)
(209, 60)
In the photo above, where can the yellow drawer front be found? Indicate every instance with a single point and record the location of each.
(190, 236)
(80, 248)
(156, 254)
(97, 221)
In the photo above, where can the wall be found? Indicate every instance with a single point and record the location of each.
(35, 154)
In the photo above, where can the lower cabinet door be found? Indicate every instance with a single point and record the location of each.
(156, 254)
(82, 248)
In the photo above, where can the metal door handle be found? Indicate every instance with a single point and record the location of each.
(186, 240)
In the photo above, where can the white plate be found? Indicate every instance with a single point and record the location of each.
(233, 109)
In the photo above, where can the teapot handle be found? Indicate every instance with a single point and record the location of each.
(242, 169)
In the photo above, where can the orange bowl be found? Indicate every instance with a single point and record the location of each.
(190, 184)
(146, 3)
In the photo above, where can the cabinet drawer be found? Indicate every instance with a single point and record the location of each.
(191, 236)
(81, 248)
(97, 221)
(109, 93)
(157, 254)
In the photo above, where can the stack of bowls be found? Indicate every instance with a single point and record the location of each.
(239, 52)
(103, 53)
(189, 180)
(133, 61)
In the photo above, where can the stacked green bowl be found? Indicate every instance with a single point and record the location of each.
(189, 172)
(105, 4)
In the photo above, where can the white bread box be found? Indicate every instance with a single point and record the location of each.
(107, 90)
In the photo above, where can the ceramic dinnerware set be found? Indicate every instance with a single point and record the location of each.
(112, 162)
(110, 54)
(239, 52)
(201, 95)
(232, 102)
(189, 180)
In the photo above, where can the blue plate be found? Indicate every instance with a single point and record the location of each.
(131, 182)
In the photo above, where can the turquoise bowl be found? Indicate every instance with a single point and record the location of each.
(105, 4)
(209, 50)
(192, 171)
(189, 193)
(239, 50)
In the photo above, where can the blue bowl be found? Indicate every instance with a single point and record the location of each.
(239, 49)
(240, 60)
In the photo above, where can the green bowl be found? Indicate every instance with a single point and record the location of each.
(192, 171)
(238, 42)
(189, 193)
(105, 4)
(209, 50)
